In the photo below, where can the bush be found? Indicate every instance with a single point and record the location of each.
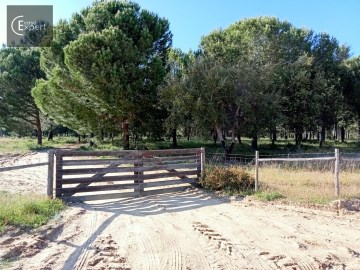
(228, 179)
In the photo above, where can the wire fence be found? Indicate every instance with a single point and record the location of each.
(349, 161)
(343, 168)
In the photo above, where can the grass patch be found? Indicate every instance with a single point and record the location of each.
(268, 195)
(5, 264)
(26, 144)
(26, 211)
(308, 186)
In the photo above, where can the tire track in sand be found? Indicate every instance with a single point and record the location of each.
(227, 253)
(87, 245)
(152, 262)
(302, 262)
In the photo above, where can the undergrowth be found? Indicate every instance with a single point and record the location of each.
(231, 180)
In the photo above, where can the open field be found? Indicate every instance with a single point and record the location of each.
(21, 145)
(25, 145)
(308, 186)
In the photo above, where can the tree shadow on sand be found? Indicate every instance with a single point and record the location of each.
(189, 199)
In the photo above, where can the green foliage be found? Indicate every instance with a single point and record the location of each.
(19, 69)
(29, 211)
(173, 93)
(290, 76)
(268, 195)
(351, 87)
(227, 179)
(114, 84)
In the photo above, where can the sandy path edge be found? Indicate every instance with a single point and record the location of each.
(188, 230)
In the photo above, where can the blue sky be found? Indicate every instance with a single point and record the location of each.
(191, 19)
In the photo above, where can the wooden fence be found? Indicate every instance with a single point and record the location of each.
(18, 167)
(98, 175)
(335, 158)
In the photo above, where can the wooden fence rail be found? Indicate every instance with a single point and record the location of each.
(18, 167)
(95, 175)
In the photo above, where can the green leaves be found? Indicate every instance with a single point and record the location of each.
(104, 67)
(19, 69)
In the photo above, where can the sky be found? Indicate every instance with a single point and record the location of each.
(192, 19)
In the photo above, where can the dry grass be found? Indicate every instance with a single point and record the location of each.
(232, 180)
(308, 186)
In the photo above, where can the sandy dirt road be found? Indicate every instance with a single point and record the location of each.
(27, 180)
(187, 230)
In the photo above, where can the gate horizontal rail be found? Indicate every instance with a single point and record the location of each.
(81, 175)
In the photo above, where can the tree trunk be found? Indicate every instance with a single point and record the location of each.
(358, 126)
(220, 136)
(102, 135)
(188, 133)
(174, 138)
(126, 136)
(254, 143)
(298, 137)
(227, 149)
(322, 136)
(214, 136)
(273, 137)
(238, 135)
(230, 149)
(51, 133)
(233, 136)
(38, 129)
(342, 134)
(335, 137)
(223, 131)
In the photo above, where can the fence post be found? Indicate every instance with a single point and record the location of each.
(202, 161)
(50, 180)
(58, 175)
(336, 172)
(256, 170)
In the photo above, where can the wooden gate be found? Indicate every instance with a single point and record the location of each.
(99, 175)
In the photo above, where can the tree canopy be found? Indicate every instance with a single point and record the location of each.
(104, 67)
(260, 74)
(19, 69)
(111, 69)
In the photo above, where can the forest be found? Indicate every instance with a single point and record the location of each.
(111, 71)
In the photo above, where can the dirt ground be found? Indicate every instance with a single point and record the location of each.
(184, 230)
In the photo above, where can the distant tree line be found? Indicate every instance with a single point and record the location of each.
(111, 70)
(260, 75)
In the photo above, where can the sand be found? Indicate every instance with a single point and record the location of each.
(184, 230)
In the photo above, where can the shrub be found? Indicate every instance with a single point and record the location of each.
(228, 179)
